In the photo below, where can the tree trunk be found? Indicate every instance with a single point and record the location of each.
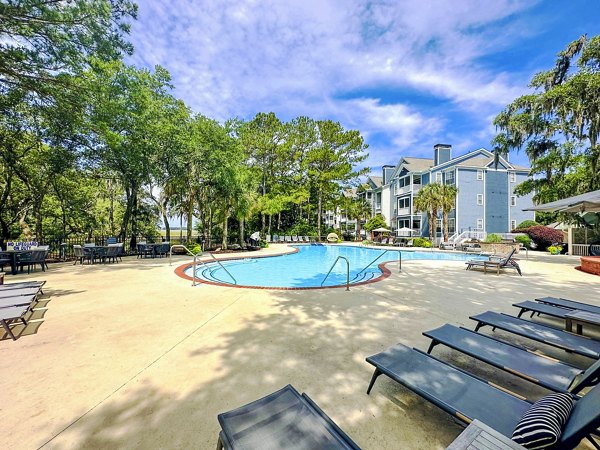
(270, 223)
(224, 241)
(190, 219)
(242, 231)
(320, 199)
(445, 226)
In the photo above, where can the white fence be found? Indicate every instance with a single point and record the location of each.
(581, 249)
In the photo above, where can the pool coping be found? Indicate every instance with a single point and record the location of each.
(180, 272)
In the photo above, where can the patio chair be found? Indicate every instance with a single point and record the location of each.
(24, 260)
(81, 254)
(144, 249)
(542, 308)
(538, 369)
(410, 243)
(570, 304)
(4, 261)
(496, 262)
(287, 238)
(163, 249)
(8, 315)
(294, 238)
(468, 397)
(283, 419)
(112, 252)
(39, 257)
(541, 333)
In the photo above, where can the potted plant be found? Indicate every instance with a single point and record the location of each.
(555, 249)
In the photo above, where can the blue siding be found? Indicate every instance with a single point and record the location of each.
(516, 212)
(425, 179)
(466, 201)
(496, 201)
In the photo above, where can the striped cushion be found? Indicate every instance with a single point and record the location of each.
(541, 426)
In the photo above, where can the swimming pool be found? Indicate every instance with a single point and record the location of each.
(308, 266)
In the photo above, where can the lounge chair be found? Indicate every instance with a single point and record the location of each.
(410, 243)
(541, 333)
(539, 369)
(19, 292)
(287, 238)
(541, 308)
(8, 315)
(22, 284)
(294, 238)
(570, 304)
(18, 300)
(283, 419)
(468, 397)
(497, 263)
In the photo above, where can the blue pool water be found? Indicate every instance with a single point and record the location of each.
(310, 264)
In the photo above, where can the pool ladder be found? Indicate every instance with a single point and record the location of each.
(196, 255)
(363, 269)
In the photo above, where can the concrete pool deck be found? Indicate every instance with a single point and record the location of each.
(129, 355)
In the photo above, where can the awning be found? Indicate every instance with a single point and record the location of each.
(588, 202)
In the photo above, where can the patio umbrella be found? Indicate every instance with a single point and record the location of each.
(588, 202)
(381, 230)
(255, 236)
(404, 230)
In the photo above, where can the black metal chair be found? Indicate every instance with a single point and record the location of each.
(81, 254)
(24, 259)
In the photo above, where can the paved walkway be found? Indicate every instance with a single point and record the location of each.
(131, 356)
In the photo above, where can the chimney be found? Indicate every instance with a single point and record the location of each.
(387, 172)
(441, 153)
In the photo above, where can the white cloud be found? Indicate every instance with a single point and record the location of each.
(311, 57)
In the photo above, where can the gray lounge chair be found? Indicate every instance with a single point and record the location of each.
(17, 292)
(22, 284)
(554, 337)
(468, 397)
(497, 263)
(19, 300)
(541, 308)
(571, 304)
(539, 369)
(8, 315)
(283, 419)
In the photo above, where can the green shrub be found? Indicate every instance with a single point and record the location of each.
(555, 250)
(422, 242)
(527, 224)
(523, 239)
(302, 229)
(367, 242)
(194, 248)
(493, 238)
(264, 244)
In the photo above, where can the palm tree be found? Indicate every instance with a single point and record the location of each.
(447, 198)
(359, 209)
(428, 200)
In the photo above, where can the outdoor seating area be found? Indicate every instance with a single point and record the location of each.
(19, 260)
(469, 397)
(266, 335)
(496, 263)
(92, 253)
(289, 239)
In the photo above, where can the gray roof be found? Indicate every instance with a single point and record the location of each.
(418, 164)
(378, 181)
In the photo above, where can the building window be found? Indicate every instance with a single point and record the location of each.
(451, 226)
(513, 177)
(438, 177)
(404, 202)
(480, 199)
(480, 224)
(480, 174)
(416, 225)
(513, 224)
(416, 179)
(403, 223)
(438, 225)
(449, 177)
(513, 200)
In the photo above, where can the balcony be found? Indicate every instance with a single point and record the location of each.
(408, 188)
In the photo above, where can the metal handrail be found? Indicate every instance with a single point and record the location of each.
(196, 255)
(222, 267)
(388, 250)
(347, 271)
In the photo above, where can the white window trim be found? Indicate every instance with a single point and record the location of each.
(479, 197)
(513, 177)
(513, 224)
(438, 177)
(480, 221)
(479, 175)
(513, 200)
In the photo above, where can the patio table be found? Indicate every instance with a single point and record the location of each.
(12, 255)
(97, 251)
(480, 436)
(579, 318)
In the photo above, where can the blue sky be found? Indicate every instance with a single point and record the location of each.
(406, 74)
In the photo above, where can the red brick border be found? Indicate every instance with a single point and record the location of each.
(180, 271)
